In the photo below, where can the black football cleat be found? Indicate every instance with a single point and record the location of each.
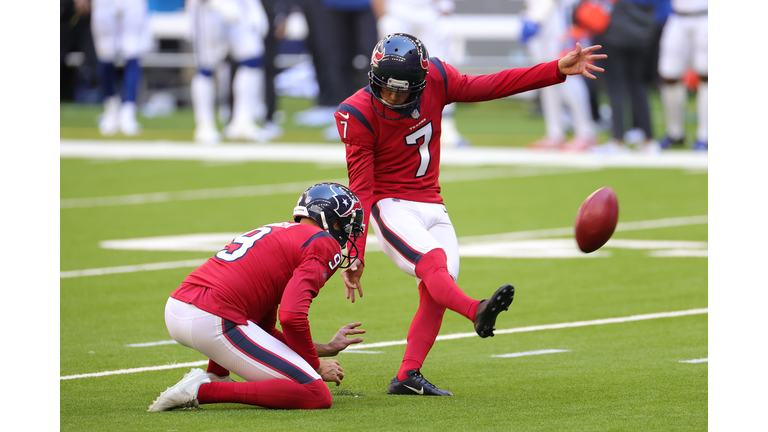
(415, 384)
(489, 309)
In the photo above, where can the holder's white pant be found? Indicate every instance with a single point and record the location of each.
(246, 350)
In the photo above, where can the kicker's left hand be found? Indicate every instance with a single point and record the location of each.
(577, 62)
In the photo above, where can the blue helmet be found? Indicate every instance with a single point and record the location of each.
(326, 203)
(399, 63)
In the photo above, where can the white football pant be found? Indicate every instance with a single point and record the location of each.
(120, 29)
(407, 230)
(573, 95)
(245, 350)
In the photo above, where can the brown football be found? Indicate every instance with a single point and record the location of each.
(596, 219)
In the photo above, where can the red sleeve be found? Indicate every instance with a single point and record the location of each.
(359, 143)
(306, 282)
(268, 325)
(360, 171)
(477, 88)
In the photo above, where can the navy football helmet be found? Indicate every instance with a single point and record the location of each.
(327, 203)
(399, 63)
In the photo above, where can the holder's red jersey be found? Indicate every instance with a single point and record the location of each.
(282, 264)
(401, 158)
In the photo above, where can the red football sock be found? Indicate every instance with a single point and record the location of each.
(216, 369)
(433, 270)
(422, 333)
(276, 393)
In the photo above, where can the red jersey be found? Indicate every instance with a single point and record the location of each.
(282, 264)
(401, 158)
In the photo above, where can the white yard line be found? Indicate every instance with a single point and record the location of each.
(295, 187)
(568, 231)
(702, 360)
(530, 353)
(548, 327)
(439, 338)
(149, 344)
(135, 370)
(190, 195)
(132, 268)
(493, 238)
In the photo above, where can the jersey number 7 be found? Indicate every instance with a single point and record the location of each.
(423, 134)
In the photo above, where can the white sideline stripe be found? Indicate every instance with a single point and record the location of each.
(548, 327)
(445, 337)
(702, 360)
(132, 268)
(135, 370)
(530, 353)
(493, 238)
(295, 187)
(362, 352)
(335, 153)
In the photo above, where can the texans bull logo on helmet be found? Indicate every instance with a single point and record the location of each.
(356, 206)
(424, 59)
(378, 54)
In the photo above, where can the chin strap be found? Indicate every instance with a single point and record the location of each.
(325, 224)
(347, 259)
(383, 113)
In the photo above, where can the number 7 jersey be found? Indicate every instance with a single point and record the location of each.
(401, 158)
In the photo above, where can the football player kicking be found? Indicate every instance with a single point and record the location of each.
(391, 129)
(227, 309)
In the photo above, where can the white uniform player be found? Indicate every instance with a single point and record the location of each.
(120, 34)
(429, 20)
(684, 45)
(549, 41)
(237, 28)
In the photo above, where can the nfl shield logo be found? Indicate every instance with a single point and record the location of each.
(415, 114)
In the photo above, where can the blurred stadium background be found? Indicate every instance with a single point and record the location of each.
(485, 38)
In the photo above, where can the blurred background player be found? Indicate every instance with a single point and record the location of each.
(684, 44)
(76, 36)
(277, 12)
(237, 28)
(227, 310)
(120, 34)
(353, 27)
(626, 78)
(428, 20)
(341, 33)
(549, 33)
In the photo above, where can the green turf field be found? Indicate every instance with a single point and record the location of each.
(623, 375)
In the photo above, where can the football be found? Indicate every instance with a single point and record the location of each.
(596, 219)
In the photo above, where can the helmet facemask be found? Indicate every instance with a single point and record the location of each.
(329, 204)
(352, 227)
